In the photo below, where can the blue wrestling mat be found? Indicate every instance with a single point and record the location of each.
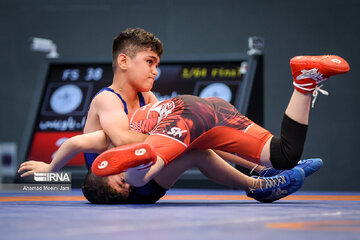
(181, 214)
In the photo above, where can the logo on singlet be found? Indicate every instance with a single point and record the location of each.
(163, 109)
(103, 164)
(140, 152)
(175, 131)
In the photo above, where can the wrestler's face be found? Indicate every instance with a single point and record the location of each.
(118, 183)
(142, 70)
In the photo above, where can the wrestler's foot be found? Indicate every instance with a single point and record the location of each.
(309, 71)
(119, 159)
(309, 166)
(279, 186)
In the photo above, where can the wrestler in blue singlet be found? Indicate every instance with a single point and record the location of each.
(150, 192)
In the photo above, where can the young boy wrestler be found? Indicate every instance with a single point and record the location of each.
(187, 122)
(135, 56)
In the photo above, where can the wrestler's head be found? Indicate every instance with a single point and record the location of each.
(134, 40)
(106, 190)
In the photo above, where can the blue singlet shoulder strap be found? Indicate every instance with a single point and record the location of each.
(123, 101)
(141, 99)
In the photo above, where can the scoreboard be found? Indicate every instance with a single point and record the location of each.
(64, 103)
(69, 88)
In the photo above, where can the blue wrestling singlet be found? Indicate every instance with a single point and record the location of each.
(90, 157)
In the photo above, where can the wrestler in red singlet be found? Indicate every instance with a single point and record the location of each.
(186, 122)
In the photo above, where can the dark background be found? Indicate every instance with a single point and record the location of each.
(83, 30)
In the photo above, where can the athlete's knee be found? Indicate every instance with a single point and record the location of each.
(286, 151)
(284, 155)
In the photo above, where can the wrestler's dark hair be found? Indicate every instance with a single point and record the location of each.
(133, 40)
(97, 190)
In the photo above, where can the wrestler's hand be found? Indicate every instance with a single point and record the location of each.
(135, 176)
(139, 156)
(30, 167)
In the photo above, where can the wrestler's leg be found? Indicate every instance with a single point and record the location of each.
(171, 173)
(310, 166)
(232, 158)
(298, 110)
(211, 165)
(219, 171)
(308, 72)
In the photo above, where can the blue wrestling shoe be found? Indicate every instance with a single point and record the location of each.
(309, 166)
(279, 186)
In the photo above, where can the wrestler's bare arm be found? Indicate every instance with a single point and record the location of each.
(90, 142)
(114, 121)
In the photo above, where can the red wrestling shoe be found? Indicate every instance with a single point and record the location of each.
(309, 71)
(116, 160)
